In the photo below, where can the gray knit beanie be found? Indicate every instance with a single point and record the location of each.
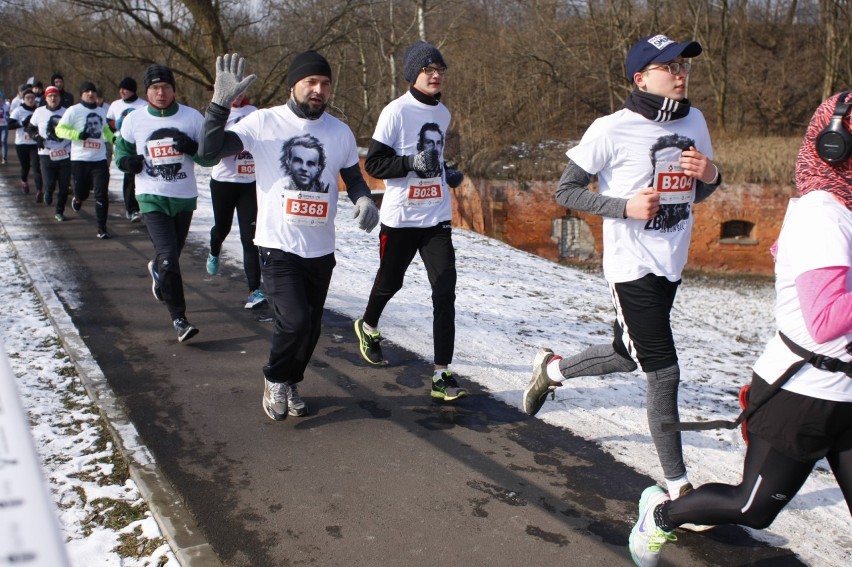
(418, 55)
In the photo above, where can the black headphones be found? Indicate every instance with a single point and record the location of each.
(834, 143)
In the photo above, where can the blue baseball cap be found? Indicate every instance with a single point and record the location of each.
(658, 49)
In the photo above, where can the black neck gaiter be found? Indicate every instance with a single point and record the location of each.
(655, 107)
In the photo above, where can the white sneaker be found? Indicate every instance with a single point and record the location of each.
(646, 539)
(275, 399)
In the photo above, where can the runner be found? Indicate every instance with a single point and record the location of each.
(299, 151)
(128, 102)
(54, 153)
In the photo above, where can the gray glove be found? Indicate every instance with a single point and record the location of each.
(366, 214)
(454, 177)
(426, 164)
(229, 82)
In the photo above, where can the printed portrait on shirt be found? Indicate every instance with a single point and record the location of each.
(51, 127)
(161, 158)
(671, 217)
(303, 162)
(94, 125)
(431, 138)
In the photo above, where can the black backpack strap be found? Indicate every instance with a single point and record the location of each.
(753, 406)
(820, 361)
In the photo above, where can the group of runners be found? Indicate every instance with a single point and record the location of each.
(278, 169)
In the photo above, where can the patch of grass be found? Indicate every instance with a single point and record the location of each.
(137, 546)
(115, 514)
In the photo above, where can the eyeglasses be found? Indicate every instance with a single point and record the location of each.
(675, 68)
(432, 70)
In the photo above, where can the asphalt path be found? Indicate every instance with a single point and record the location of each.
(377, 474)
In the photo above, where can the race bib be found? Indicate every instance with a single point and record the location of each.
(425, 192)
(306, 208)
(59, 154)
(245, 169)
(672, 183)
(91, 144)
(162, 152)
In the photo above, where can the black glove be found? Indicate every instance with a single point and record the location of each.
(39, 141)
(184, 144)
(131, 164)
(26, 121)
(454, 177)
(84, 135)
(426, 164)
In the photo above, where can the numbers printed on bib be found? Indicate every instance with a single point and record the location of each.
(425, 192)
(306, 208)
(60, 154)
(163, 153)
(92, 144)
(672, 183)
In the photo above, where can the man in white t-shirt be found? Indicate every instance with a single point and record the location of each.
(128, 102)
(159, 145)
(54, 152)
(299, 150)
(85, 124)
(407, 151)
(652, 160)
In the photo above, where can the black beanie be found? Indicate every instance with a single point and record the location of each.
(56, 76)
(158, 74)
(87, 86)
(307, 64)
(128, 83)
(418, 55)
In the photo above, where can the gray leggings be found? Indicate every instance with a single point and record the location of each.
(661, 403)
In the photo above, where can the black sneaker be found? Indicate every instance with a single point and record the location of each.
(59, 217)
(76, 205)
(39, 196)
(539, 385)
(155, 282)
(185, 329)
(446, 388)
(369, 345)
(103, 234)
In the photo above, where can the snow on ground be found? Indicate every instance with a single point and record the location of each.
(509, 304)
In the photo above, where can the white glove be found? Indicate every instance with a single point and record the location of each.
(229, 82)
(366, 213)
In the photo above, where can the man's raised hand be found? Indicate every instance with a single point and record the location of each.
(229, 82)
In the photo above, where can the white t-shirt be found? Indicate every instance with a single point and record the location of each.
(238, 168)
(297, 163)
(167, 172)
(817, 233)
(91, 120)
(21, 137)
(618, 148)
(46, 120)
(119, 109)
(410, 126)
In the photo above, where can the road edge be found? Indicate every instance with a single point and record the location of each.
(176, 523)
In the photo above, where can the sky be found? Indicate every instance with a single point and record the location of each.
(509, 304)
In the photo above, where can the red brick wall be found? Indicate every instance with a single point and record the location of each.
(522, 215)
